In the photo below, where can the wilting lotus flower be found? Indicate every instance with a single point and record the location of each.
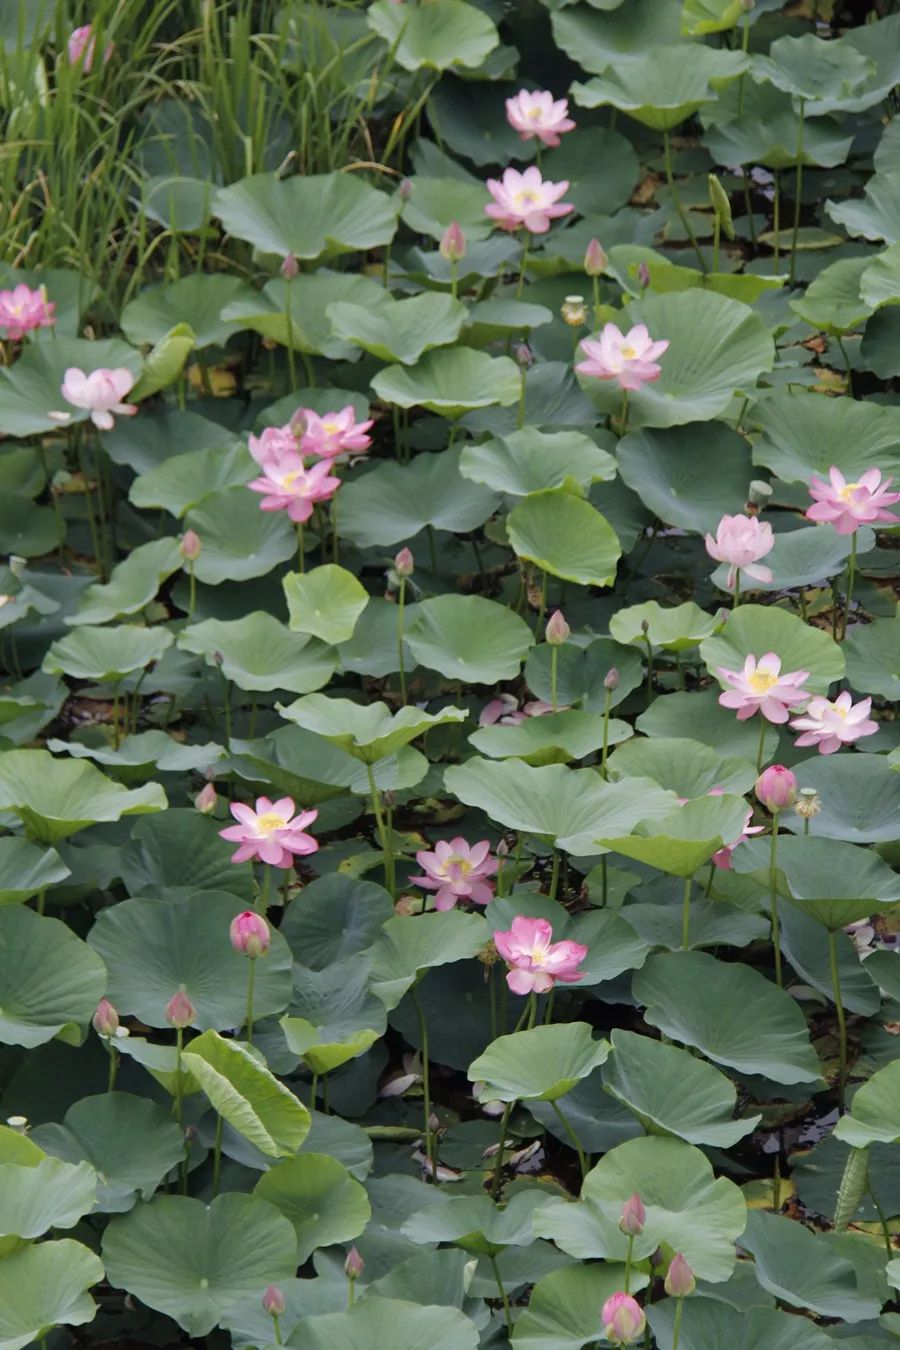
(289, 485)
(505, 710)
(628, 358)
(761, 687)
(741, 541)
(831, 725)
(539, 116)
(22, 310)
(249, 933)
(846, 506)
(335, 434)
(81, 45)
(101, 393)
(535, 962)
(271, 833)
(457, 871)
(526, 201)
(776, 788)
(622, 1319)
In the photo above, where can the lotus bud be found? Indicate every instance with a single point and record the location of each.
(643, 276)
(354, 1264)
(290, 267)
(273, 1301)
(679, 1278)
(776, 788)
(557, 631)
(404, 563)
(206, 799)
(524, 355)
(623, 1319)
(633, 1217)
(105, 1020)
(17, 1123)
(404, 189)
(180, 1011)
(453, 243)
(808, 803)
(720, 204)
(190, 546)
(758, 496)
(574, 310)
(299, 424)
(595, 259)
(611, 680)
(250, 934)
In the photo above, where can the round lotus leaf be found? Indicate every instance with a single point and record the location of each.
(257, 652)
(681, 80)
(688, 476)
(198, 300)
(674, 628)
(753, 630)
(181, 850)
(757, 124)
(392, 502)
(238, 541)
(405, 948)
(706, 1322)
(43, 1286)
(467, 637)
(873, 1112)
(565, 536)
(810, 69)
(333, 918)
(295, 314)
(183, 481)
(833, 882)
(544, 1063)
(133, 583)
(30, 388)
(401, 330)
(530, 461)
(451, 381)
(686, 767)
(366, 731)
(26, 869)
(581, 671)
(871, 652)
(106, 654)
(806, 945)
(802, 557)
(48, 1194)
(51, 980)
(320, 1198)
(799, 1269)
(805, 435)
(859, 796)
(562, 1309)
(596, 39)
(452, 34)
(377, 1321)
(555, 738)
(612, 944)
(308, 215)
(678, 843)
(700, 717)
(477, 1224)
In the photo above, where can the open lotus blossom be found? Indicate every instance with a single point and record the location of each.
(761, 687)
(536, 962)
(271, 833)
(505, 710)
(846, 506)
(22, 310)
(539, 116)
(272, 444)
(741, 541)
(101, 393)
(628, 358)
(457, 871)
(831, 725)
(81, 46)
(526, 201)
(622, 1319)
(334, 435)
(292, 486)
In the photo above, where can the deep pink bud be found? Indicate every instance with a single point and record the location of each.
(524, 355)
(404, 563)
(206, 798)
(453, 244)
(622, 1319)
(273, 1301)
(105, 1020)
(250, 934)
(595, 259)
(680, 1278)
(190, 546)
(611, 680)
(776, 788)
(354, 1265)
(290, 267)
(180, 1011)
(643, 275)
(557, 631)
(633, 1216)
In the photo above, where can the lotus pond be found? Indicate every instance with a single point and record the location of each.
(449, 652)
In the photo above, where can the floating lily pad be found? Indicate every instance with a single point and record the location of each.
(565, 536)
(544, 1063)
(467, 637)
(451, 382)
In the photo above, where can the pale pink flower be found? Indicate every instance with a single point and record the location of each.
(457, 871)
(334, 435)
(633, 1216)
(505, 710)
(741, 541)
(179, 1011)
(106, 1019)
(81, 45)
(453, 243)
(206, 799)
(535, 962)
(761, 687)
(271, 833)
(22, 310)
(776, 788)
(831, 725)
(846, 506)
(628, 358)
(289, 485)
(101, 393)
(539, 116)
(622, 1319)
(273, 444)
(273, 1301)
(679, 1281)
(249, 933)
(526, 201)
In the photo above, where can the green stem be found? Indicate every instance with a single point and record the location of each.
(627, 1277)
(226, 708)
(430, 1152)
(667, 152)
(686, 914)
(773, 900)
(498, 1166)
(300, 552)
(520, 415)
(292, 368)
(607, 705)
(454, 279)
(314, 1092)
(432, 550)
(383, 835)
(595, 282)
(676, 1327)
(277, 1330)
(576, 1142)
(717, 231)
(851, 577)
(554, 663)
(843, 351)
(401, 600)
(526, 245)
(649, 645)
(507, 1312)
(554, 875)
(737, 588)
(543, 605)
(797, 190)
(761, 749)
(113, 1067)
(841, 1019)
(623, 414)
(251, 979)
(217, 1156)
(776, 221)
(882, 1219)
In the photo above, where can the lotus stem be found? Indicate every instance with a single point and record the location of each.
(776, 220)
(217, 1156)
(626, 1280)
(737, 588)
(843, 350)
(686, 914)
(679, 207)
(604, 772)
(520, 414)
(570, 1131)
(595, 284)
(113, 1066)
(226, 709)
(623, 415)
(649, 646)
(507, 1312)
(717, 231)
(773, 900)
(676, 1329)
(432, 550)
(851, 577)
(292, 367)
(761, 750)
(526, 245)
(383, 835)
(841, 1018)
(797, 189)
(554, 665)
(277, 1329)
(882, 1218)
(251, 979)
(300, 548)
(498, 1166)
(430, 1152)
(401, 600)
(454, 278)
(314, 1092)
(554, 875)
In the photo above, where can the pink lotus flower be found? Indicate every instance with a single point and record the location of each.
(101, 393)
(622, 1319)
(22, 310)
(81, 45)
(633, 1216)
(505, 710)
(453, 243)
(846, 506)
(526, 201)
(741, 541)
(628, 358)
(457, 871)
(831, 725)
(335, 435)
(106, 1019)
(761, 687)
(535, 963)
(539, 116)
(249, 933)
(776, 788)
(290, 486)
(679, 1281)
(272, 444)
(179, 1011)
(273, 1301)
(271, 833)
(206, 800)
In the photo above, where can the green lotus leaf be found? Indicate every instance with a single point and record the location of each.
(259, 653)
(595, 41)
(674, 628)
(544, 1063)
(295, 313)
(321, 1055)
(31, 388)
(238, 540)
(476, 1223)
(310, 215)
(181, 850)
(552, 739)
(27, 529)
(707, 1322)
(320, 1198)
(808, 68)
(802, 557)
(529, 461)
(699, 17)
(337, 1018)
(164, 363)
(880, 280)
(806, 944)
(133, 583)
(688, 476)
(872, 1118)
(54, 798)
(565, 536)
(700, 717)
(832, 301)
(467, 637)
(680, 842)
(684, 766)
(335, 917)
(46, 1286)
(436, 200)
(871, 653)
(177, 202)
(368, 732)
(757, 124)
(252, 1100)
(799, 1270)
(859, 798)
(392, 502)
(612, 944)
(183, 481)
(833, 882)
(712, 923)
(757, 629)
(805, 435)
(27, 869)
(731, 1013)
(106, 654)
(453, 33)
(407, 947)
(682, 79)
(407, 1326)
(581, 672)
(403, 329)
(48, 1194)
(51, 980)
(875, 215)
(451, 382)
(562, 1309)
(198, 300)
(194, 1261)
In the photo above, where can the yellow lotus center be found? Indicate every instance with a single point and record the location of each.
(836, 708)
(462, 863)
(290, 479)
(534, 114)
(848, 490)
(16, 309)
(759, 681)
(629, 353)
(526, 196)
(537, 956)
(330, 427)
(269, 822)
